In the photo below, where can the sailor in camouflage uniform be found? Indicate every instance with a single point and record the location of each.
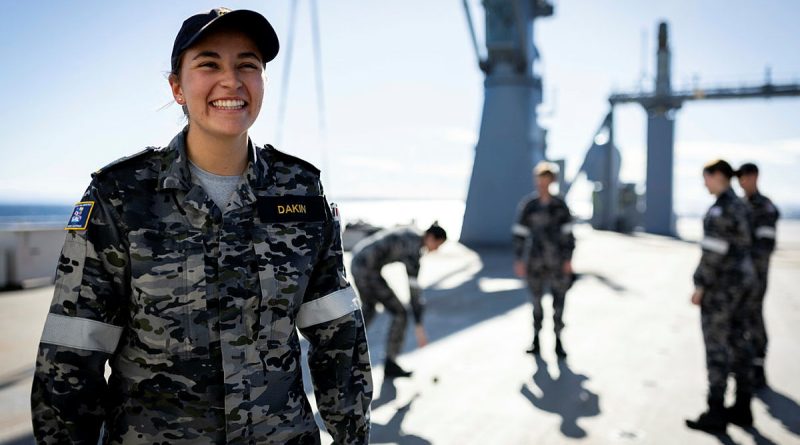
(405, 245)
(764, 218)
(724, 280)
(195, 304)
(543, 245)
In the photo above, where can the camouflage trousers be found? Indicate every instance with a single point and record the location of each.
(373, 290)
(758, 331)
(725, 321)
(541, 279)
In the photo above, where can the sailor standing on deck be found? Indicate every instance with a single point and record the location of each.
(543, 245)
(190, 270)
(405, 245)
(724, 280)
(764, 217)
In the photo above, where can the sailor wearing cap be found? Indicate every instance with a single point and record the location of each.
(185, 273)
(764, 218)
(543, 245)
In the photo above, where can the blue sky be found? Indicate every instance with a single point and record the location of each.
(84, 83)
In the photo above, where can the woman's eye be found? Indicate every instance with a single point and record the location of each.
(249, 66)
(208, 65)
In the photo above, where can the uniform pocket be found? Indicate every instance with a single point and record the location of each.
(168, 290)
(286, 255)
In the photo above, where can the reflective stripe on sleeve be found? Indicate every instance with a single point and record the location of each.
(81, 333)
(520, 230)
(330, 307)
(765, 232)
(566, 229)
(715, 245)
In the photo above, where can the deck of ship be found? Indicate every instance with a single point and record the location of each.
(635, 368)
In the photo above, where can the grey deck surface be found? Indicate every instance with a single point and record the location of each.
(635, 368)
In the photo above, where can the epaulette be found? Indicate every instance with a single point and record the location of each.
(285, 157)
(124, 160)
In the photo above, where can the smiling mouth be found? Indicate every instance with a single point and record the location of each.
(228, 104)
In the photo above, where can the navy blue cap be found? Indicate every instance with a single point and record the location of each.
(249, 22)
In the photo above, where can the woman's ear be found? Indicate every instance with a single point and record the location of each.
(177, 91)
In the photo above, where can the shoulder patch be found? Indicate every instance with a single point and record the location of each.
(715, 211)
(79, 219)
(124, 159)
(285, 157)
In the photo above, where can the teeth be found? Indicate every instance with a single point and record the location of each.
(228, 104)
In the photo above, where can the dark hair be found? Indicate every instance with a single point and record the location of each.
(719, 165)
(747, 169)
(436, 231)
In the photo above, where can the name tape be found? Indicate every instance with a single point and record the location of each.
(291, 208)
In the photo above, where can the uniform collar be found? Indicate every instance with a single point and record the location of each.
(175, 173)
(727, 194)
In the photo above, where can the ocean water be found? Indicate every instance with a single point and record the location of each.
(18, 216)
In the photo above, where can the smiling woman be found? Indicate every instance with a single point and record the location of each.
(220, 83)
(190, 270)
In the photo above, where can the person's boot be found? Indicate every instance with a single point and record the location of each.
(740, 413)
(759, 378)
(391, 370)
(535, 347)
(560, 352)
(713, 421)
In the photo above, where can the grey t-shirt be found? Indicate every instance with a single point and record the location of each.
(219, 188)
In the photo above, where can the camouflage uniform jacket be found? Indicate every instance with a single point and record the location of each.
(764, 218)
(196, 311)
(404, 245)
(726, 244)
(547, 231)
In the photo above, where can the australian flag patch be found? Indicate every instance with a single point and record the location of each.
(79, 219)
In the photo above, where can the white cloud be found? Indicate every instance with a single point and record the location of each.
(372, 163)
(466, 136)
(778, 151)
(789, 146)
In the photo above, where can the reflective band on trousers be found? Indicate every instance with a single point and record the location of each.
(765, 232)
(566, 229)
(715, 245)
(520, 230)
(330, 307)
(81, 333)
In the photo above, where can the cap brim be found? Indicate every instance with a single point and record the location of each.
(249, 22)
